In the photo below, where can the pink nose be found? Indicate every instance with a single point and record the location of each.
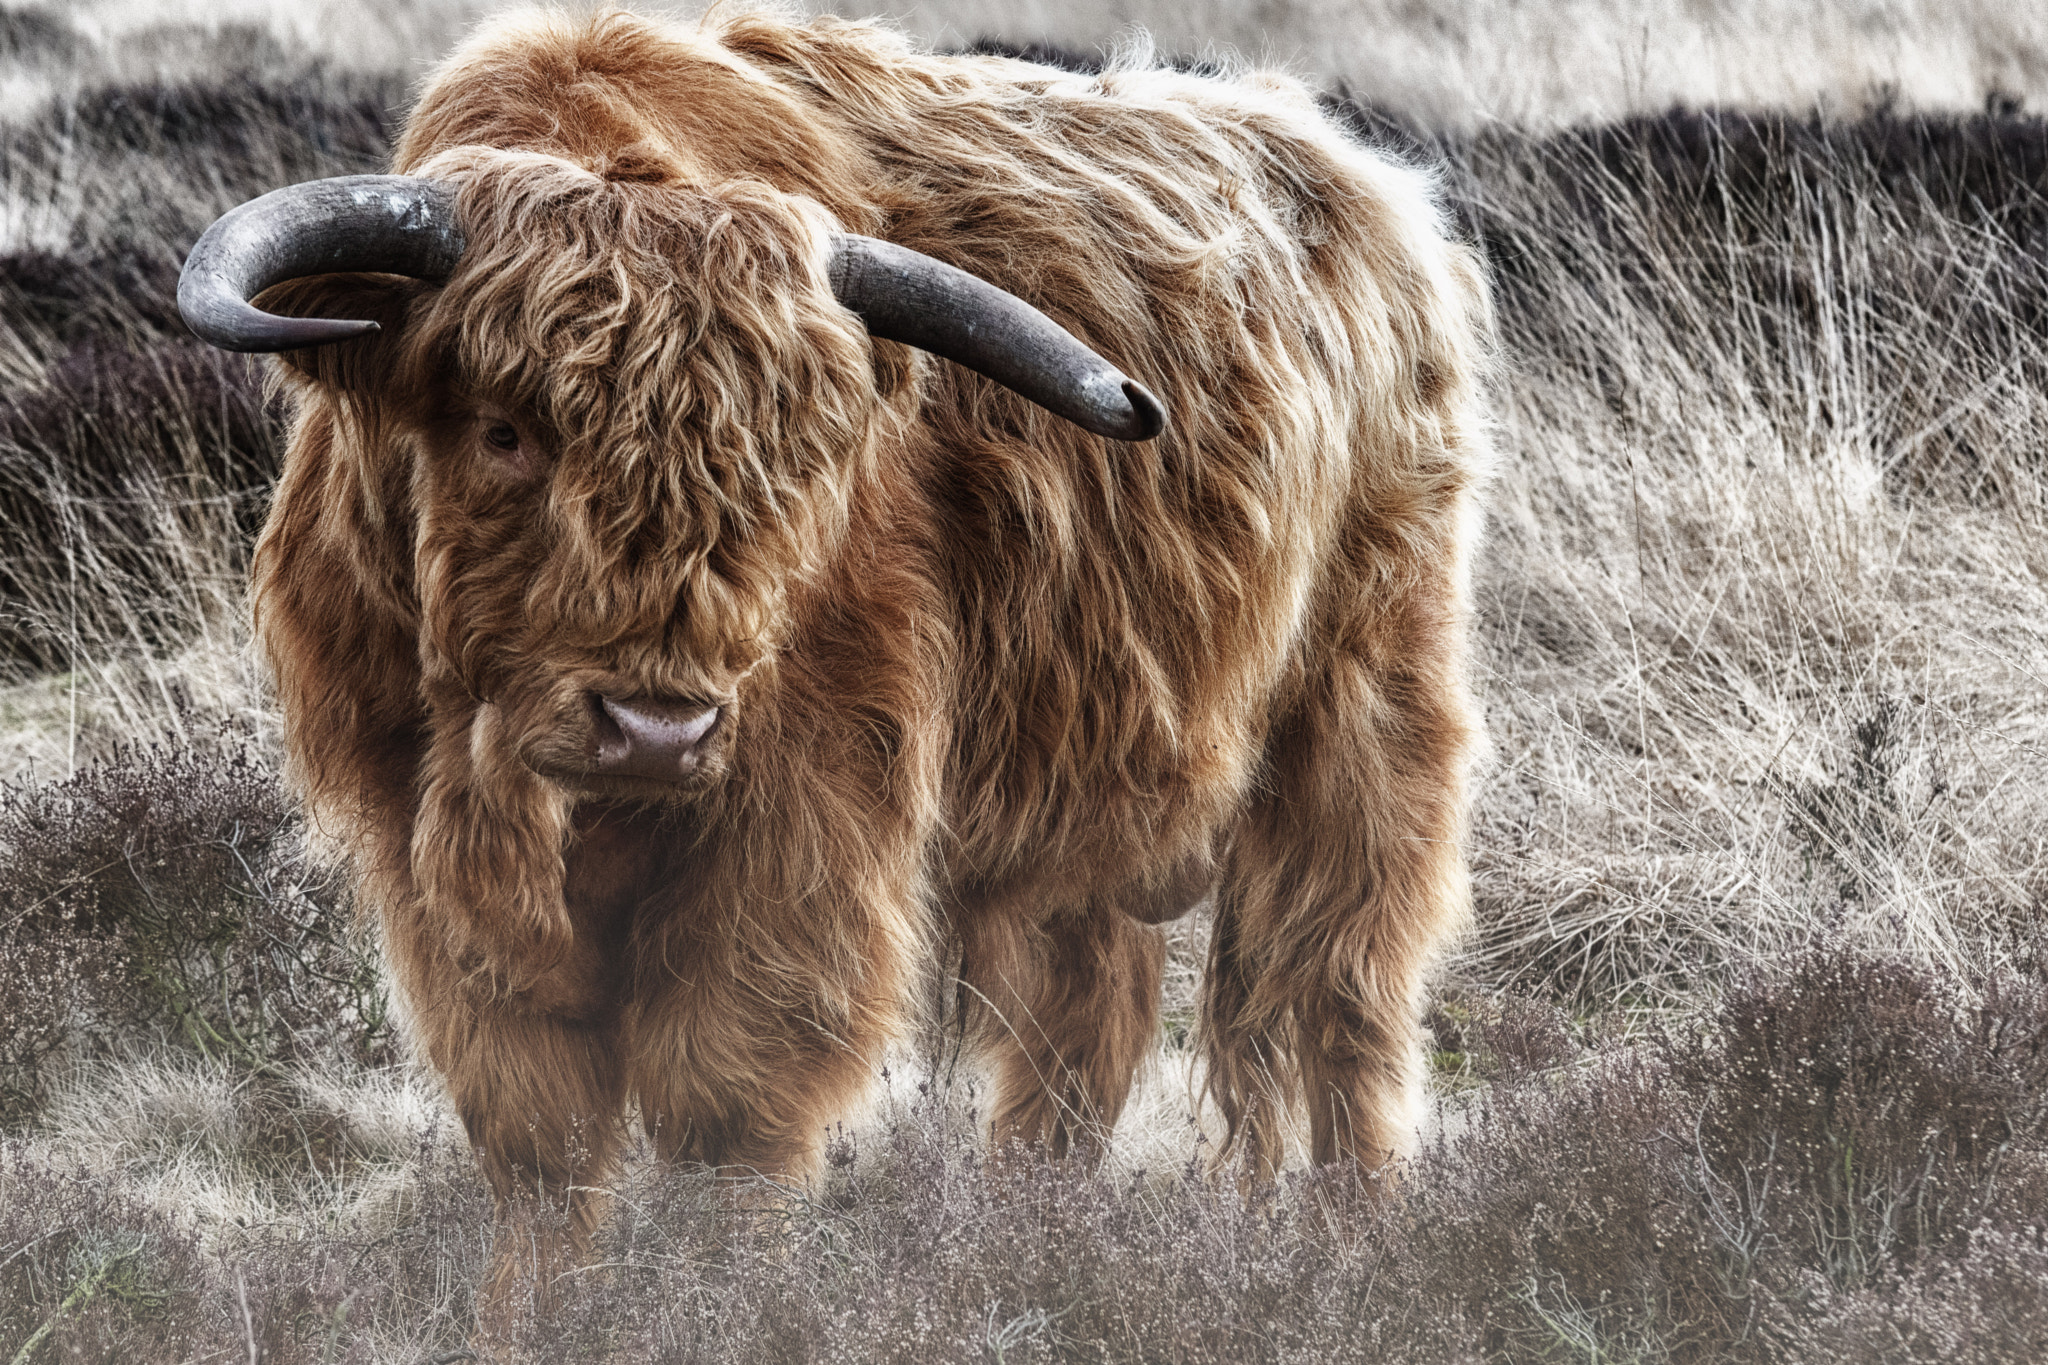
(649, 737)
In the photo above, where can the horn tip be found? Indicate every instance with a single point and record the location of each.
(322, 332)
(250, 330)
(1148, 414)
(357, 327)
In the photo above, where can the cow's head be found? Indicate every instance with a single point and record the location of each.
(619, 417)
(633, 407)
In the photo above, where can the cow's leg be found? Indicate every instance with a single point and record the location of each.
(1343, 878)
(540, 1090)
(1066, 1008)
(752, 1032)
(540, 1098)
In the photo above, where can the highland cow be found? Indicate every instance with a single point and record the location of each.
(695, 603)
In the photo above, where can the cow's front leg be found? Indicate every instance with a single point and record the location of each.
(540, 1097)
(1066, 1009)
(754, 1027)
(537, 1078)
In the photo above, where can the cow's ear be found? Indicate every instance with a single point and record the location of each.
(360, 363)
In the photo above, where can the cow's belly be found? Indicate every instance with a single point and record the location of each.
(1042, 833)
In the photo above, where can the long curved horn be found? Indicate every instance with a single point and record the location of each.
(407, 226)
(907, 296)
(395, 224)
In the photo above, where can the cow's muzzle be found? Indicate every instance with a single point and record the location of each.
(657, 738)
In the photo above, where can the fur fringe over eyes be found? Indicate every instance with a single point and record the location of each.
(706, 400)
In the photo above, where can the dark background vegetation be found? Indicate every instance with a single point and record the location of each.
(1837, 1155)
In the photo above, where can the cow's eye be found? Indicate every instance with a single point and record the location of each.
(502, 436)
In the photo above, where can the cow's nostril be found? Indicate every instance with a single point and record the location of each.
(649, 737)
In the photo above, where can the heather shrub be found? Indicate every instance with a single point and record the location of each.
(88, 1273)
(162, 897)
(230, 115)
(1885, 1113)
(108, 418)
(125, 445)
(1984, 1306)
(393, 1287)
(1737, 170)
(1759, 1181)
(1842, 1159)
(91, 1272)
(123, 292)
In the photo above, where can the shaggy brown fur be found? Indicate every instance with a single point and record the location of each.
(987, 677)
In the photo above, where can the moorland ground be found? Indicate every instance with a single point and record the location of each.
(1745, 1056)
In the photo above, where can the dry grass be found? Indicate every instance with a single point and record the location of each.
(1457, 66)
(1449, 65)
(1762, 604)
(1760, 635)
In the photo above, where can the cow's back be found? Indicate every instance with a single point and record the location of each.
(1135, 618)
